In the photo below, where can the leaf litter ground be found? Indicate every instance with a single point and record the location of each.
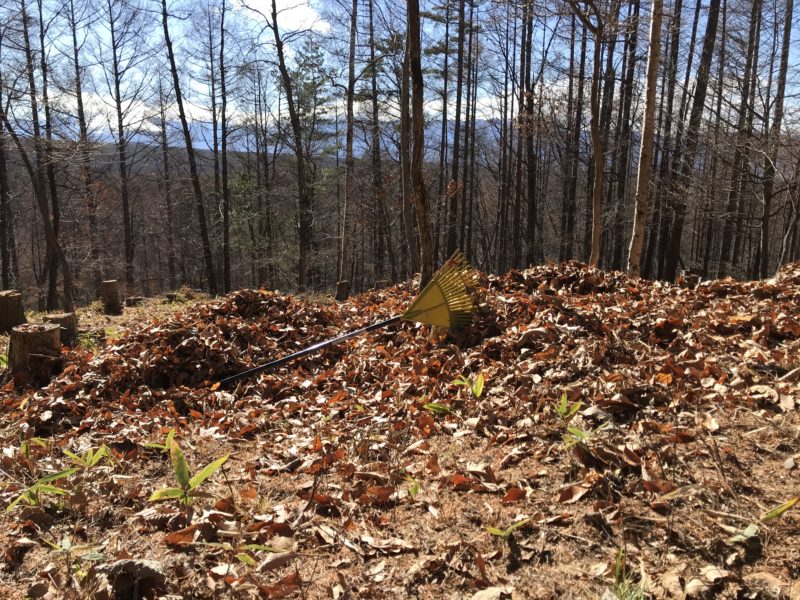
(630, 439)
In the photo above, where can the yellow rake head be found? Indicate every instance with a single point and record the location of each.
(445, 301)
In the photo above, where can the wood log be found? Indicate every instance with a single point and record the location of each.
(133, 300)
(108, 292)
(35, 351)
(68, 322)
(12, 312)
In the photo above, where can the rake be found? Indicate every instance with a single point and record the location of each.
(443, 302)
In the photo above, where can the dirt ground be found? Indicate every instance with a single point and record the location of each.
(588, 436)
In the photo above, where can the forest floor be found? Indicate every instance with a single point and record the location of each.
(589, 436)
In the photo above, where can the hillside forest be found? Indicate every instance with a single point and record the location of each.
(258, 143)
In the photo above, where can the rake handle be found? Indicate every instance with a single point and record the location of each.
(279, 362)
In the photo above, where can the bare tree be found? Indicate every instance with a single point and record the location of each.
(646, 148)
(211, 278)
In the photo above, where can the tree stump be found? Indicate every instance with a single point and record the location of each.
(35, 351)
(11, 310)
(133, 301)
(68, 322)
(108, 292)
(342, 290)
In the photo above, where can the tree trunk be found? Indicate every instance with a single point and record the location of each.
(343, 289)
(385, 232)
(226, 192)
(162, 105)
(211, 279)
(417, 178)
(687, 162)
(774, 135)
(411, 265)
(646, 148)
(89, 189)
(5, 204)
(623, 147)
(36, 173)
(52, 261)
(455, 184)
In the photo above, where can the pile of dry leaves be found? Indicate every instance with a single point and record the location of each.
(588, 435)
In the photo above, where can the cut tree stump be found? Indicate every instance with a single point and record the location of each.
(108, 292)
(11, 310)
(35, 351)
(68, 322)
(342, 290)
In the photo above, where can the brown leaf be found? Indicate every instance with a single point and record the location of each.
(573, 493)
(182, 537)
(514, 494)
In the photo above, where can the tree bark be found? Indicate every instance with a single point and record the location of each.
(417, 176)
(343, 288)
(646, 148)
(226, 192)
(698, 105)
(211, 279)
(89, 189)
(455, 184)
(774, 135)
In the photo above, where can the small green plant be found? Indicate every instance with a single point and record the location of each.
(3, 361)
(73, 554)
(476, 387)
(27, 445)
(241, 552)
(167, 442)
(576, 435)
(91, 457)
(413, 486)
(436, 408)
(625, 588)
(43, 485)
(188, 485)
(565, 409)
(508, 531)
(89, 340)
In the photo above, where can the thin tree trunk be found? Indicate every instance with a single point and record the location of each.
(89, 190)
(698, 105)
(455, 184)
(162, 105)
(418, 182)
(516, 218)
(226, 192)
(660, 223)
(774, 135)
(305, 219)
(52, 261)
(385, 233)
(443, 142)
(5, 194)
(211, 278)
(623, 155)
(343, 289)
(727, 253)
(646, 148)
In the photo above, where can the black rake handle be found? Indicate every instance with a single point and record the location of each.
(279, 362)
